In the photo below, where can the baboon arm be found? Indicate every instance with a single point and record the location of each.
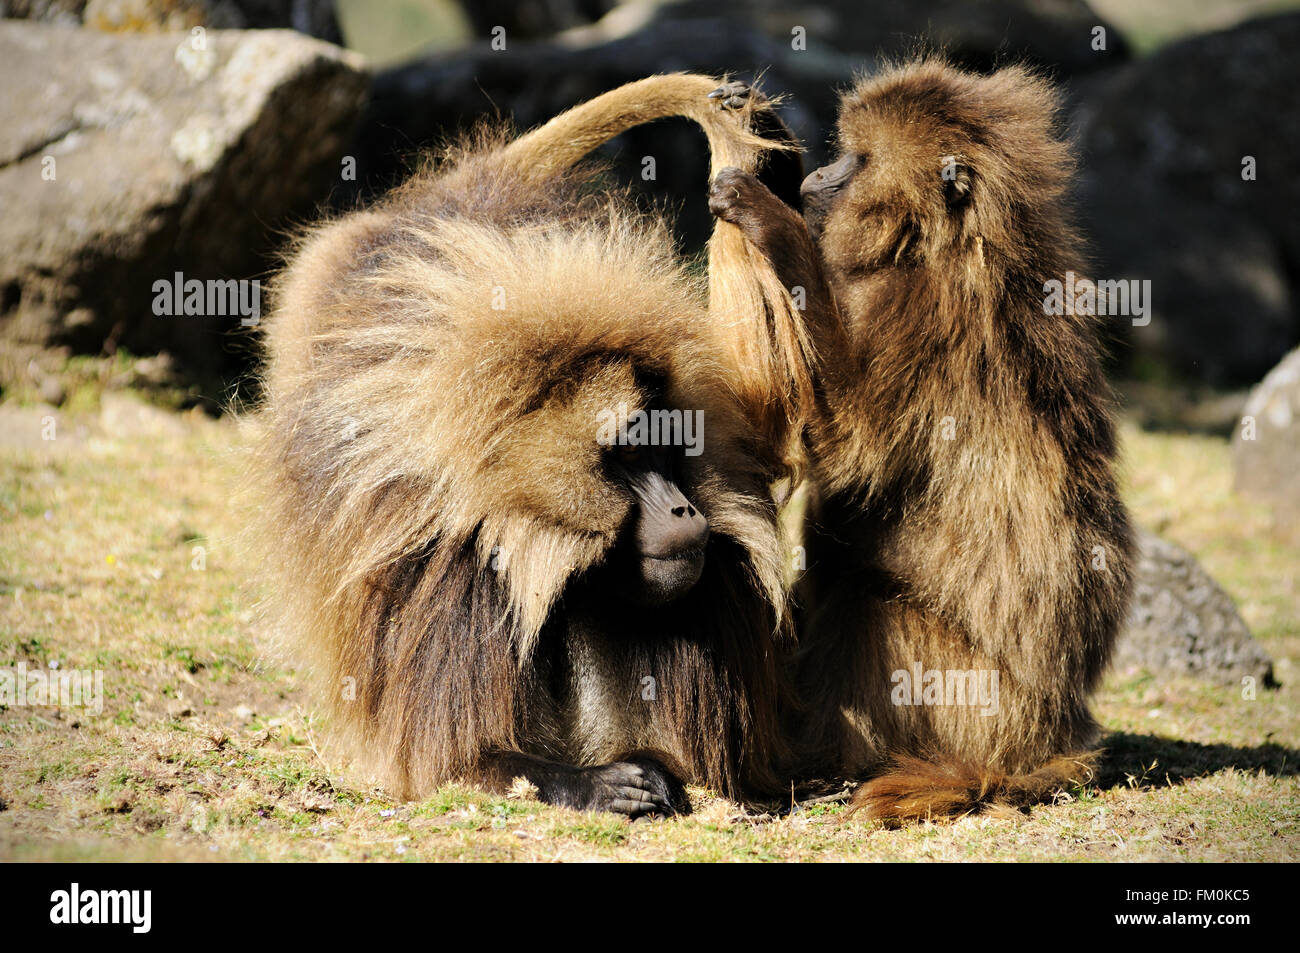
(778, 233)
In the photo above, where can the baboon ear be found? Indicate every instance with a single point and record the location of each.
(956, 176)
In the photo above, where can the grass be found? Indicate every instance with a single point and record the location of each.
(117, 553)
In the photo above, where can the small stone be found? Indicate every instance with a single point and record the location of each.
(52, 391)
(1181, 622)
(1266, 442)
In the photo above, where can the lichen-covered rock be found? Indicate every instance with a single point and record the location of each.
(1182, 623)
(126, 159)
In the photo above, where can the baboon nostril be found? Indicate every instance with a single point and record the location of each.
(679, 511)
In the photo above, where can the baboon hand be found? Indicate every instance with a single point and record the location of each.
(774, 228)
(636, 788)
(738, 197)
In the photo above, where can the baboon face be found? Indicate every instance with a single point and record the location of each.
(893, 185)
(602, 454)
(661, 553)
(930, 158)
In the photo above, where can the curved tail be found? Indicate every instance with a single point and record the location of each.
(554, 147)
(912, 789)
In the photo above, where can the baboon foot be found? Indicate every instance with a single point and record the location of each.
(734, 95)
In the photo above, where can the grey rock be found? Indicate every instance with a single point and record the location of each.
(1181, 622)
(125, 159)
(1267, 465)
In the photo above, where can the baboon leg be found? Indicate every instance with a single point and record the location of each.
(917, 688)
(930, 757)
(853, 719)
(638, 786)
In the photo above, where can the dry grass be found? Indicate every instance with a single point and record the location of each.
(203, 750)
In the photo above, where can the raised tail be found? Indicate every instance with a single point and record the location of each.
(912, 789)
(550, 149)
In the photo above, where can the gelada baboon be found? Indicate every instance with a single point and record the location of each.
(968, 554)
(487, 587)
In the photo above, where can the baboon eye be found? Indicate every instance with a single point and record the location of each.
(628, 453)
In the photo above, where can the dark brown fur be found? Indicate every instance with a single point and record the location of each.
(435, 500)
(966, 516)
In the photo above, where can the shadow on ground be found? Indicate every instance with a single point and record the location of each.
(1151, 761)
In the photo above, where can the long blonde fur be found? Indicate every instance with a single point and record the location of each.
(431, 489)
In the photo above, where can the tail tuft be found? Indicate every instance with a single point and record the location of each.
(912, 789)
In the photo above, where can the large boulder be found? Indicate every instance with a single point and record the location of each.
(1170, 142)
(314, 17)
(125, 160)
(1181, 622)
(1266, 447)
